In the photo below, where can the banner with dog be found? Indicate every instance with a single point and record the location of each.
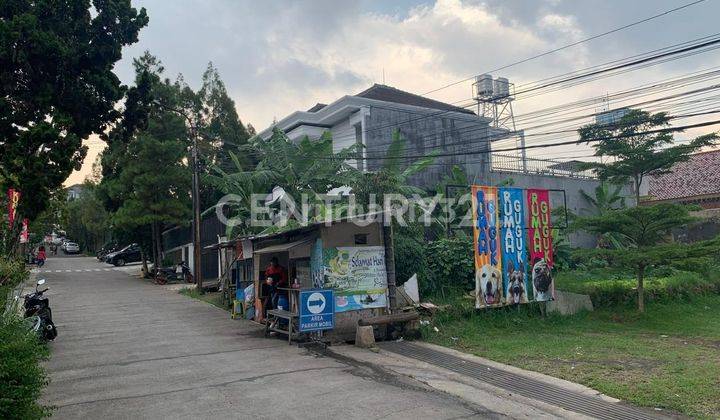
(513, 244)
(486, 241)
(540, 244)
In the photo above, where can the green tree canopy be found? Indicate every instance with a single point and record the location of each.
(57, 87)
(641, 145)
(647, 230)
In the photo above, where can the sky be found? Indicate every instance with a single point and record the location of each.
(277, 57)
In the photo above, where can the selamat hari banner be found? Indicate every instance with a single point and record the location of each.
(512, 239)
(486, 241)
(358, 276)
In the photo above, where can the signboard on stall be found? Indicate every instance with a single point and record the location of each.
(512, 239)
(358, 276)
(317, 310)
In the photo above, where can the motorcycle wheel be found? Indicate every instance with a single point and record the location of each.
(160, 279)
(119, 262)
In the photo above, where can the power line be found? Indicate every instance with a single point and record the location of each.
(663, 130)
(646, 60)
(612, 31)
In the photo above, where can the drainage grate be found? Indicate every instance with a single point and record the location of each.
(527, 387)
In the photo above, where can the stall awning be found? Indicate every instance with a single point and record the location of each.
(282, 247)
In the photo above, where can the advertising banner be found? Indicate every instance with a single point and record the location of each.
(540, 244)
(13, 197)
(357, 275)
(513, 244)
(486, 241)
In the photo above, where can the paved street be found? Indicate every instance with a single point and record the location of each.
(130, 349)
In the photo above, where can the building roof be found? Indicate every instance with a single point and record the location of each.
(317, 107)
(391, 94)
(698, 177)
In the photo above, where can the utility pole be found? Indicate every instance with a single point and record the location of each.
(195, 192)
(197, 251)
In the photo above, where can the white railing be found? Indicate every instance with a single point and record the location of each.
(550, 167)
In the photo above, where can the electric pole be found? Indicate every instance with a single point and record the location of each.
(195, 192)
(197, 220)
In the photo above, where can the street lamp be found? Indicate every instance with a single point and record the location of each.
(195, 192)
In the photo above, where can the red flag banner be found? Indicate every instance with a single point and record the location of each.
(13, 196)
(540, 244)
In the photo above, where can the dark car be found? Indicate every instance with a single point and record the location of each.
(130, 253)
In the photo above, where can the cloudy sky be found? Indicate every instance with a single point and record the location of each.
(280, 56)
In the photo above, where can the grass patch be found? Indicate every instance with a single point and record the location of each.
(668, 357)
(612, 288)
(213, 298)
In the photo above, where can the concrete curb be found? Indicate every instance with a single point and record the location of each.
(470, 389)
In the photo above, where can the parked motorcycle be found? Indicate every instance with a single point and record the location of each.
(37, 311)
(170, 274)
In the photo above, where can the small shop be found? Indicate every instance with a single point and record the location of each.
(346, 257)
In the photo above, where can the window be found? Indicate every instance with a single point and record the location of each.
(361, 239)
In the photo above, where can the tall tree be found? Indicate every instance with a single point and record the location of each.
(647, 231)
(57, 87)
(152, 137)
(640, 146)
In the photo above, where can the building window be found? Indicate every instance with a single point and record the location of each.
(361, 239)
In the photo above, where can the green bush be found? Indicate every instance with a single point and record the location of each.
(449, 264)
(621, 289)
(409, 258)
(22, 377)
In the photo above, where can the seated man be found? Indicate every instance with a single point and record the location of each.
(280, 279)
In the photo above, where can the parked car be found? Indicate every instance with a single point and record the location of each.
(71, 248)
(130, 253)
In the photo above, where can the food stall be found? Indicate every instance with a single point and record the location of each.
(343, 255)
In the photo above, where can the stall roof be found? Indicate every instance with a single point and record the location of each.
(281, 247)
(310, 226)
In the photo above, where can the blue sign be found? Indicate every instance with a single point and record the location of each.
(317, 310)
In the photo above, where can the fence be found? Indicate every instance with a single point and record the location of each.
(550, 167)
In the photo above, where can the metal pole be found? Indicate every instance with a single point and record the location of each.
(523, 152)
(197, 252)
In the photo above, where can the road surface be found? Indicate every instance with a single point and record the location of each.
(130, 349)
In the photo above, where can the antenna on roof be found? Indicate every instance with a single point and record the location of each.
(383, 75)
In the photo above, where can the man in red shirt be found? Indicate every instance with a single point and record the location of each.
(280, 279)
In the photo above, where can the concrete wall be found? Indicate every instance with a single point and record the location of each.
(427, 131)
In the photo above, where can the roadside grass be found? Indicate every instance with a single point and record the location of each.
(668, 357)
(213, 298)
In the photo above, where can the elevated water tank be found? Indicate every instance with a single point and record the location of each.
(484, 85)
(501, 88)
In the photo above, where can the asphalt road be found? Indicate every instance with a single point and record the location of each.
(130, 349)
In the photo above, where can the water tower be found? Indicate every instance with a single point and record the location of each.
(494, 101)
(494, 98)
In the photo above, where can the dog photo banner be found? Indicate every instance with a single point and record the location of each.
(512, 239)
(540, 244)
(486, 241)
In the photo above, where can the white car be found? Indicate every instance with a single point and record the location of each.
(71, 248)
